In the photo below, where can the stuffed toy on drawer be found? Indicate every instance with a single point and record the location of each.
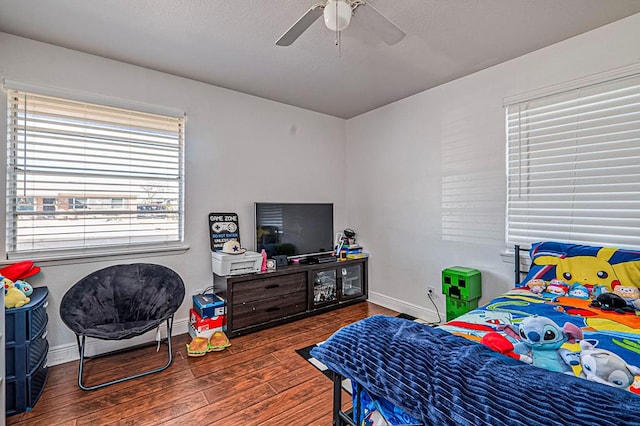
(13, 296)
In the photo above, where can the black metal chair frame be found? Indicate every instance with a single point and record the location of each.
(81, 348)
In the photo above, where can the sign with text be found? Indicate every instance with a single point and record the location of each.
(222, 228)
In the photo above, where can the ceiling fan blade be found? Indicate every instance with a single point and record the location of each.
(372, 18)
(301, 25)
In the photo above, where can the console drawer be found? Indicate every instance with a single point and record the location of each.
(268, 288)
(258, 312)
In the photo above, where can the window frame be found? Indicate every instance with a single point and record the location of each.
(602, 80)
(170, 244)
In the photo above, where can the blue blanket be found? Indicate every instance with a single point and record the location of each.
(444, 379)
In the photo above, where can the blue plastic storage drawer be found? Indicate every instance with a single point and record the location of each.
(22, 360)
(27, 322)
(22, 394)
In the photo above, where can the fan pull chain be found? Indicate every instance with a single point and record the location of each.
(337, 32)
(339, 42)
(338, 37)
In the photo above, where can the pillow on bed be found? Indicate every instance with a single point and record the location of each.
(593, 266)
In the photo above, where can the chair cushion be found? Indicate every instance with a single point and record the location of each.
(122, 301)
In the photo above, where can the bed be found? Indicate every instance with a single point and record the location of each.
(561, 348)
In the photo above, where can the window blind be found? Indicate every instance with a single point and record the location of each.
(573, 166)
(83, 177)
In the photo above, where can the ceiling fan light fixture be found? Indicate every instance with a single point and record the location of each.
(337, 15)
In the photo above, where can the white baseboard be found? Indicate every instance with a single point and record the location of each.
(429, 315)
(69, 352)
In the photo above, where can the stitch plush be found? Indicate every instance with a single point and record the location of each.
(603, 366)
(541, 339)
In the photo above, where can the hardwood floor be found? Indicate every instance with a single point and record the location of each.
(259, 380)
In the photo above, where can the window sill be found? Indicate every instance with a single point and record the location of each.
(507, 256)
(65, 258)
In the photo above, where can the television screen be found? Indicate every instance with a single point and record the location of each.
(294, 229)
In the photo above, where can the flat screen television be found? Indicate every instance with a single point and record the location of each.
(294, 229)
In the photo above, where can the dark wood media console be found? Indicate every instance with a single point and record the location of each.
(264, 299)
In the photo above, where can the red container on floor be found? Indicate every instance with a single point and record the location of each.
(203, 324)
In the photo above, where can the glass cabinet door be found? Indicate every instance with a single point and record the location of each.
(351, 281)
(325, 289)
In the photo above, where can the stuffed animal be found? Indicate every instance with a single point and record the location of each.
(556, 288)
(612, 302)
(631, 295)
(627, 292)
(541, 339)
(13, 297)
(24, 286)
(579, 291)
(16, 291)
(603, 366)
(537, 286)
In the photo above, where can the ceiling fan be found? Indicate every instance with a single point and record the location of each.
(337, 16)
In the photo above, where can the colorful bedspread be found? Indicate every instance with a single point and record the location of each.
(559, 333)
(576, 312)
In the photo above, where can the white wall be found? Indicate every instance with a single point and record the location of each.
(426, 175)
(231, 141)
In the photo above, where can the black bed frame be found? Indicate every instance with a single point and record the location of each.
(518, 269)
(343, 418)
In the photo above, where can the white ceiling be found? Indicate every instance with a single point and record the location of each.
(231, 43)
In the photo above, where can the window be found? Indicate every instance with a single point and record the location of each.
(77, 203)
(25, 204)
(573, 165)
(79, 174)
